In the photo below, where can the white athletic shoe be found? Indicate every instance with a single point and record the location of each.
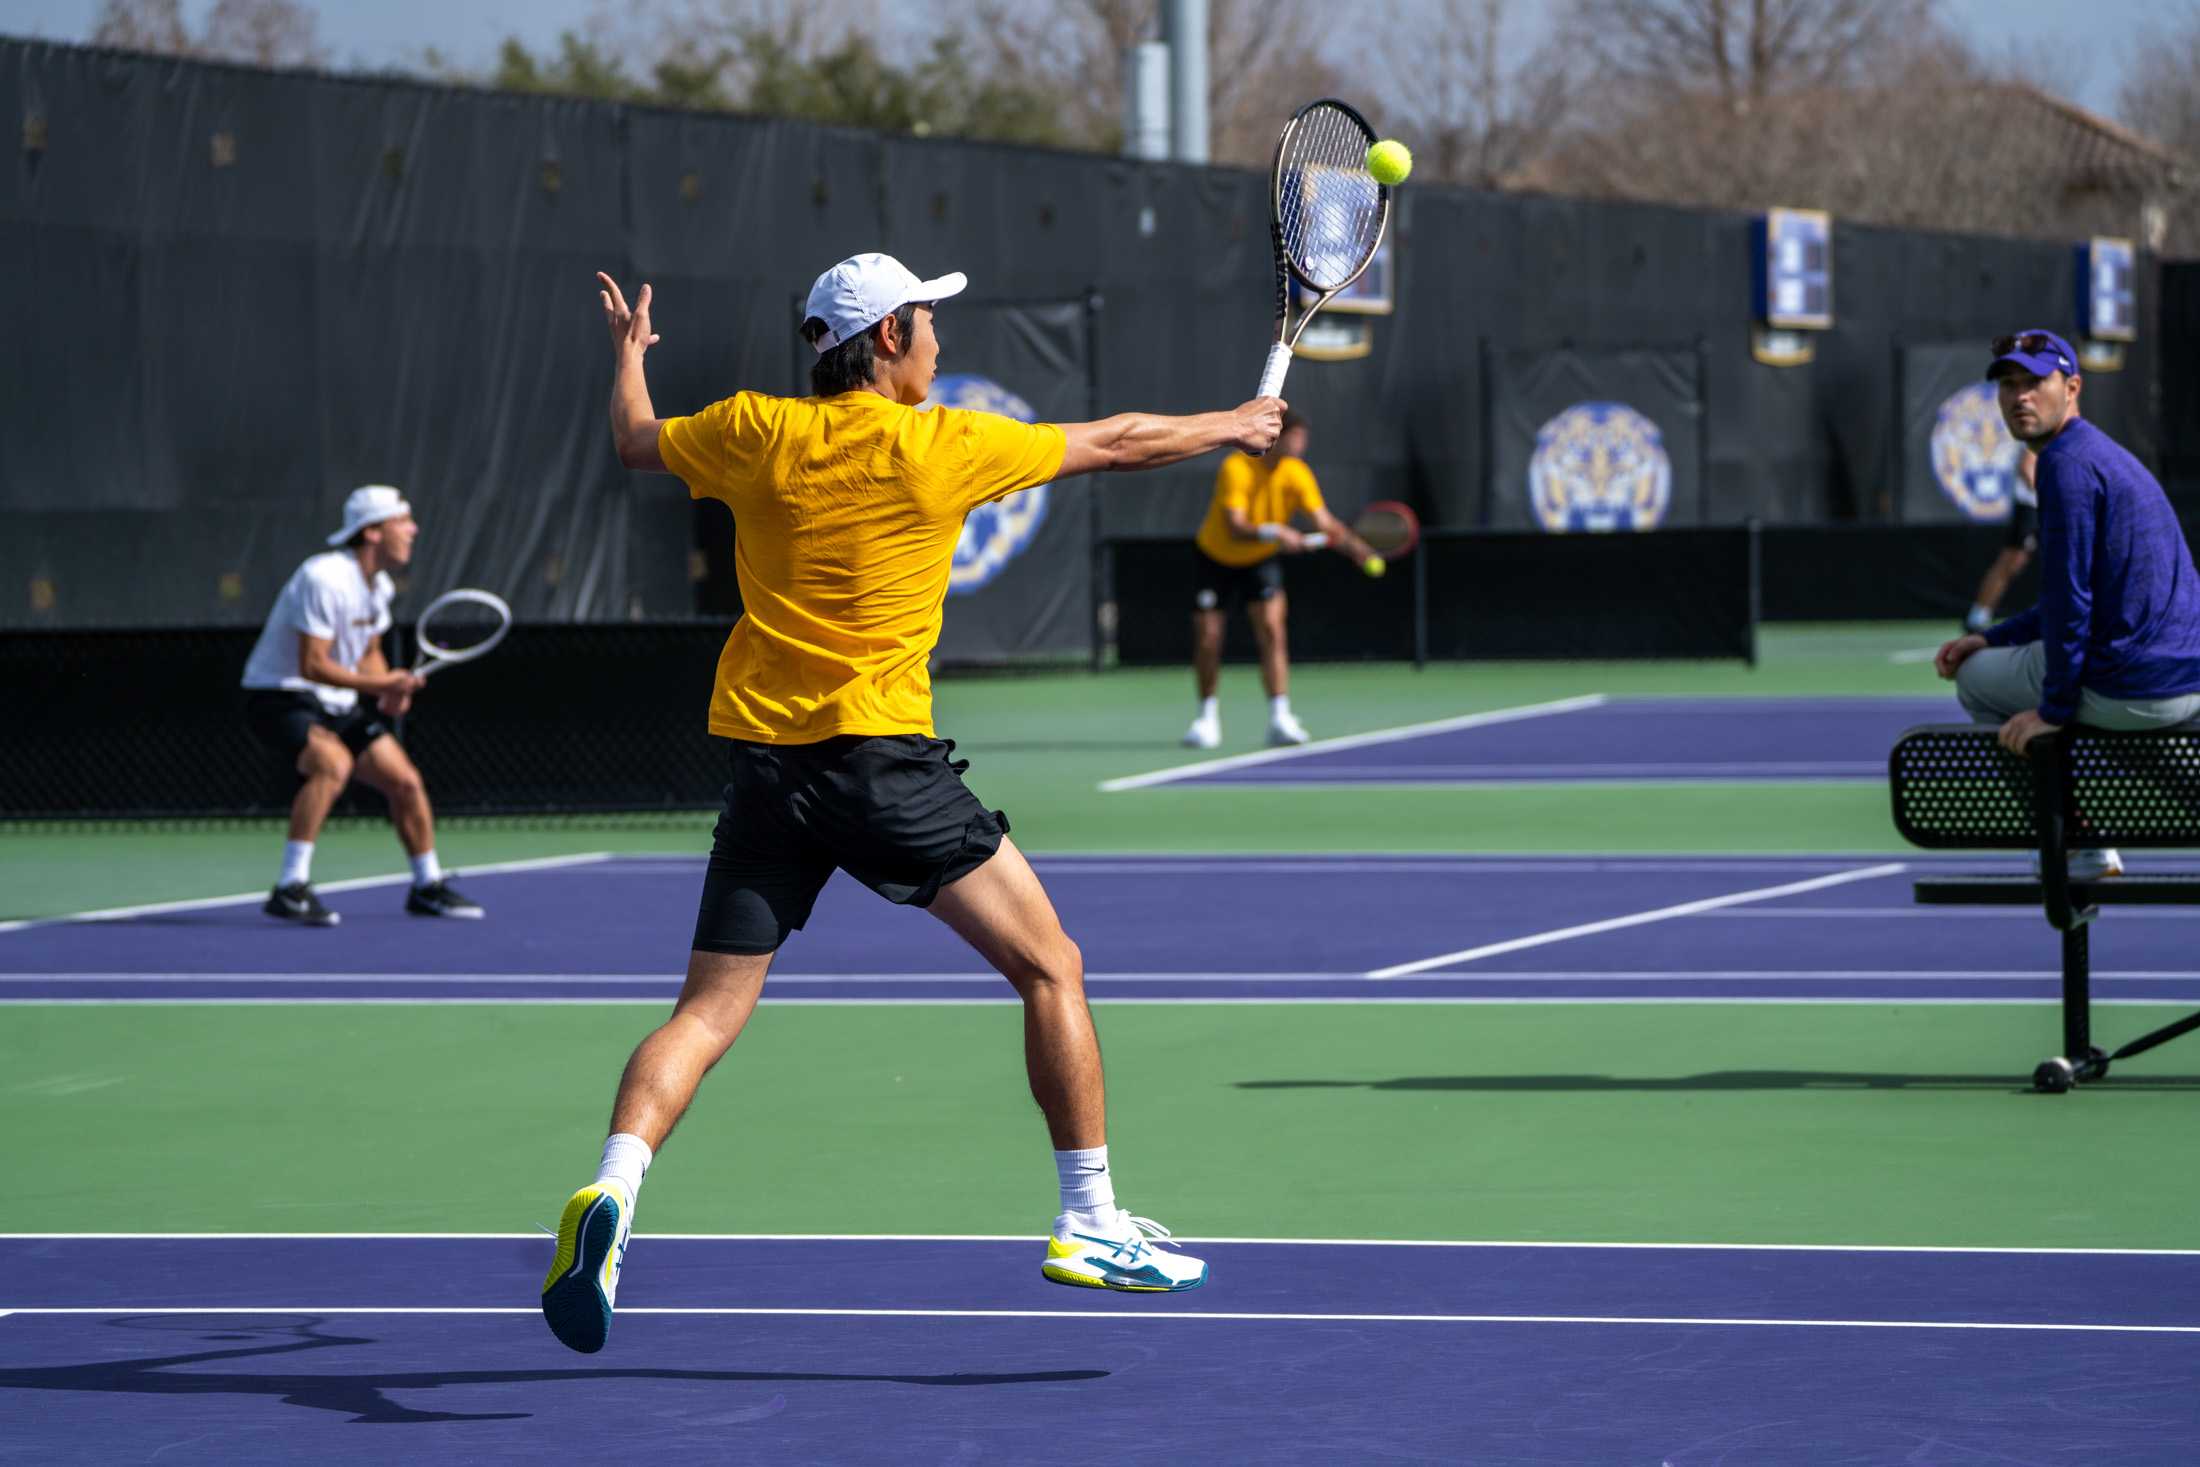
(1205, 733)
(2089, 865)
(1126, 1253)
(1283, 728)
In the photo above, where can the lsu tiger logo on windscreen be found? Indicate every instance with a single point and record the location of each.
(993, 534)
(1974, 458)
(1600, 466)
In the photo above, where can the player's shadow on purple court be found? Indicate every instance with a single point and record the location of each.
(1829, 1080)
(362, 1396)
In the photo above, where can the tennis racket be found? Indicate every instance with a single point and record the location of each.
(1326, 218)
(1390, 529)
(458, 626)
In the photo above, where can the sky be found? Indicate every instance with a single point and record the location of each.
(2090, 54)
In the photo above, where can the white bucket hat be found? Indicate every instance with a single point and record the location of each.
(863, 290)
(369, 504)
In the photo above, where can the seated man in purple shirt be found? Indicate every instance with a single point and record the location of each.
(2115, 640)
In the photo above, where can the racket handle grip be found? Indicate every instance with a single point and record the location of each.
(1271, 375)
(1317, 540)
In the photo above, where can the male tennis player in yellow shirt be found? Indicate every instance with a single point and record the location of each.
(849, 503)
(1248, 526)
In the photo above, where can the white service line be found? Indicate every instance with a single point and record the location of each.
(1641, 919)
(356, 883)
(1551, 1244)
(1152, 1317)
(1353, 741)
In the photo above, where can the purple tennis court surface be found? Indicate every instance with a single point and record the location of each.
(1625, 739)
(1154, 927)
(954, 1350)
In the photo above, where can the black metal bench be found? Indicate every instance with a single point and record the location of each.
(1955, 788)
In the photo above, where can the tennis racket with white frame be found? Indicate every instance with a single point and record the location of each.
(1326, 218)
(458, 626)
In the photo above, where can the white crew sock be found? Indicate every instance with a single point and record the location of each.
(1210, 709)
(297, 863)
(1280, 706)
(427, 871)
(1088, 1188)
(625, 1159)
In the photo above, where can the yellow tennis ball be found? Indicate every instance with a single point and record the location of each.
(1390, 161)
(1374, 565)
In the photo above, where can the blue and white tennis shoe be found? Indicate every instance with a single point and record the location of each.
(1127, 1253)
(584, 1276)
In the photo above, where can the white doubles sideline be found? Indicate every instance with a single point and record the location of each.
(1223, 1316)
(1352, 741)
(356, 883)
(1640, 919)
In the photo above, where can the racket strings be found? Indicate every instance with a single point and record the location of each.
(1386, 531)
(1329, 208)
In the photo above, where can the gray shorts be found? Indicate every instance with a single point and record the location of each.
(1997, 684)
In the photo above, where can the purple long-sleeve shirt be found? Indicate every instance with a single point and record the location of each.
(2119, 604)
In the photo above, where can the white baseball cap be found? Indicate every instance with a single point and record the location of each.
(369, 504)
(863, 290)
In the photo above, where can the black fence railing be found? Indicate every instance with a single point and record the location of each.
(1469, 596)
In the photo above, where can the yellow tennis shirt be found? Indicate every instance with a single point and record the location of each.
(846, 511)
(1270, 491)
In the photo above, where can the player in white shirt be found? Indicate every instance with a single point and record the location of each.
(320, 693)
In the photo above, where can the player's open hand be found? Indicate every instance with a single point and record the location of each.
(2017, 734)
(1953, 655)
(1258, 424)
(629, 326)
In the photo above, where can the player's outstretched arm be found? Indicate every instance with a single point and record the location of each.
(1341, 539)
(1149, 440)
(634, 423)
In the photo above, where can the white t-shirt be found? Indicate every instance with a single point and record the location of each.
(330, 597)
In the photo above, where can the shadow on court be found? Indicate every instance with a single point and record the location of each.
(362, 1397)
(1727, 1080)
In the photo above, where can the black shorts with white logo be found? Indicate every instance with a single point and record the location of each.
(892, 811)
(1220, 587)
(281, 719)
(2024, 528)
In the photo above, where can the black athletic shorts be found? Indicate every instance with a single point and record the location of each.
(1221, 587)
(891, 811)
(2024, 528)
(280, 717)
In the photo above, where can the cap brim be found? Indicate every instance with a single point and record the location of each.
(941, 287)
(404, 507)
(2046, 366)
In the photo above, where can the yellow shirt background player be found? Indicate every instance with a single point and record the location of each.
(1238, 558)
(848, 507)
(1262, 491)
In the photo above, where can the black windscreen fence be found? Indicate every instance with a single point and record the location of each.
(252, 291)
(1670, 594)
(558, 720)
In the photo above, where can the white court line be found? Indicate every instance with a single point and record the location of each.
(1914, 654)
(1246, 1316)
(1353, 741)
(1639, 919)
(356, 883)
(1487, 1243)
(1478, 975)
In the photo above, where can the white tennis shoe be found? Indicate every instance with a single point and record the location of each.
(2097, 865)
(1205, 733)
(1127, 1253)
(1285, 728)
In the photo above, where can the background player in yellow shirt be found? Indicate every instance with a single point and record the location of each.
(1248, 526)
(848, 504)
